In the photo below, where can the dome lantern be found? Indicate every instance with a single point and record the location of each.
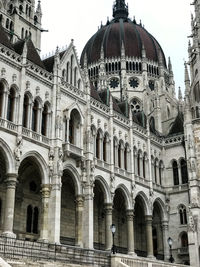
(120, 9)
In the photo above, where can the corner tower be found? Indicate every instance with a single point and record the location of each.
(22, 20)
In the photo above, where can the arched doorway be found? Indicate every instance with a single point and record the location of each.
(28, 207)
(68, 210)
(99, 217)
(120, 221)
(157, 232)
(140, 228)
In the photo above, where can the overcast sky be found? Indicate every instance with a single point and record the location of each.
(168, 21)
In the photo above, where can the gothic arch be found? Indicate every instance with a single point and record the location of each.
(161, 206)
(105, 188)
(41, 163)
(16, 88)
(75, 176)
(126, 194)
(5, 83)
(9, 159)
(145, 202)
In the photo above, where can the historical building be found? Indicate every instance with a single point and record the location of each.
(84, 145)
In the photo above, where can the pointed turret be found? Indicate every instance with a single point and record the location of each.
(120, 9)
(187, 80)
(39, 12)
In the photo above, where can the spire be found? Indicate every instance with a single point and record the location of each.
(120, 9)
(39, 9)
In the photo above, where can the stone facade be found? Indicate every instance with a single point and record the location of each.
(80, 151)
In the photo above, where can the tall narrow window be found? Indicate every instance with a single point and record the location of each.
(175, 173)
(98, 145)
(155, 171)
(184, 240)
(71, 130)
(67, 72)
(11, 105)
(114, 156)
(119, 156)
(35, 220)
(125, 158)
(35, 115)
(144, 169)
(29, 215)
(71, 69)
(1, 99)
(22, 33)
(183, 214)
(25, 111)
(184, 173)
(75, 76)
(138, 163)
(44, 120)
(105, 148)
(160, 173)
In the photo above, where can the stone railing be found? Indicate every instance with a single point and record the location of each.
(36, 136)
(128, 261)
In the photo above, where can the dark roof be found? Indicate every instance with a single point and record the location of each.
(49, 62)
(32, 53)
(4, 40)
(117, 32)
(177, 126)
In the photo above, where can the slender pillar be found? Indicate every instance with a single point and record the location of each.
(54, 218)
(130, 231)
(79, 220)
(88, 219)
(165, 230)
(45, 212)
(11, 182)
(149, 236)
(108, 221)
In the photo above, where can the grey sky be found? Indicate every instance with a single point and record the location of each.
(168, 21)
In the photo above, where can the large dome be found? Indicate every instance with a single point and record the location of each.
(121, 30)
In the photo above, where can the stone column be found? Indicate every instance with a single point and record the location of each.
(79, 220)
(108, 222)
(149, 236)
(45, 212)
(54, 218)
(88, 219)
(165, 232)
(11, 182)
(130, 231)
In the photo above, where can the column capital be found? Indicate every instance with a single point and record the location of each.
(129, 215)
(11, 180)
(148, 219)
(45, 190)
(108, 208)
(80, 201)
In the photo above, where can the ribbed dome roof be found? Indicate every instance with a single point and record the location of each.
(119, 31)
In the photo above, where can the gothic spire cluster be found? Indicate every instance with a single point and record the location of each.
(120, 9)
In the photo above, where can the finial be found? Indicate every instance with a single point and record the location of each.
(180, 97)
(120, 9)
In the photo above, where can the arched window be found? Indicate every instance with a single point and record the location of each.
(98, 140)
(35, 116)
(75, 76)
(1, 18)
(25, 111)
(105, 148)
(44, 120)
(11, 26)
(184, 240)
(114, 156)
(22, 33)
(160, 172)
(126, 158)
(71, 130)
(183, 214)
(155, 171)
(119, 156)
(143, 165)
(67, 72)
(29, 11)
(7, 23)
(79, 84)
(29, 215)
(175, 173)
(74, 127)
(21, 8)
(71, 69)
(184, 173)
(26, 9)
(1, 99)
(11, 105)
(197, 112)
(35, 20)
(35, 220)
(138, 163)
